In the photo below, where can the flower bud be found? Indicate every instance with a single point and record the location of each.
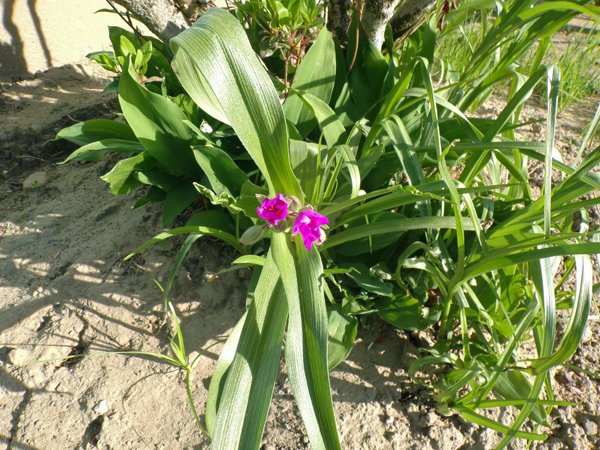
(294, 203)
(253, 234)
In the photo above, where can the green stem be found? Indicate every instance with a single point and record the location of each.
(188, 388)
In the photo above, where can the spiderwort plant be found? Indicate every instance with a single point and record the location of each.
(289, 293)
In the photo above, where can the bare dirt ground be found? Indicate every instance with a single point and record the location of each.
(65, 290)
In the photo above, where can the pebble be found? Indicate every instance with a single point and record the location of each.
(101, 408)
(590, 427)
(19, 356)
(35, 180)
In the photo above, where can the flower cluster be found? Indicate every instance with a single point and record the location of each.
(280, 213)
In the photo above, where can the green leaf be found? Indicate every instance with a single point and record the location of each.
(154, 195)
(249, 260)
(126, 46)
(483, 421)
(359, 273)
(331, 126)
(120, 177)
(96, 150)
(371, 243)
(84, 133)
(207, 231)
(217, 381)
(158, 125)
(105, 59)
(306, 344)
(577, 321)
(223, 174)
(247, 390)
(304, 157)
(513, 385)
(403, 312)
(212, 218)
(394, 226)
(500, 259)
(181, 254)
(216, 55)
(593, 12)
(177, 200)
(341, 334)
(315, 76)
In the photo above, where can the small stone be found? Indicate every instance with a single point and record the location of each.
(431, 418)
(19, 356)
(101, 408)
(590, 427)
(35, 180)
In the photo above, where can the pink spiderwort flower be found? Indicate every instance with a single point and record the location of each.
(308, 224)
(273, 210)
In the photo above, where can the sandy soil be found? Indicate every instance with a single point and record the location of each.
(36, 35)
(65, 290)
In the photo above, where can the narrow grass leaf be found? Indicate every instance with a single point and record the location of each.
(483, 421)
(577, 321)
(217, 381)
(494, 262)
(394, 226)
(206, 231)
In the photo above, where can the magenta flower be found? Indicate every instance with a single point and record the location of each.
(273, 210)
(308, 224)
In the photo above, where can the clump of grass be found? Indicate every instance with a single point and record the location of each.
(578, 62)
(455, 50)
(579, 66)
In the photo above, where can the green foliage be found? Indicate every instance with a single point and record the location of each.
(578, 67)
(280, 31)
(432, 220)
(483, 40)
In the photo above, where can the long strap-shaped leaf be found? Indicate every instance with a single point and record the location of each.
(306, 344)
(218, 68)
(216, 65)
(244, 404)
